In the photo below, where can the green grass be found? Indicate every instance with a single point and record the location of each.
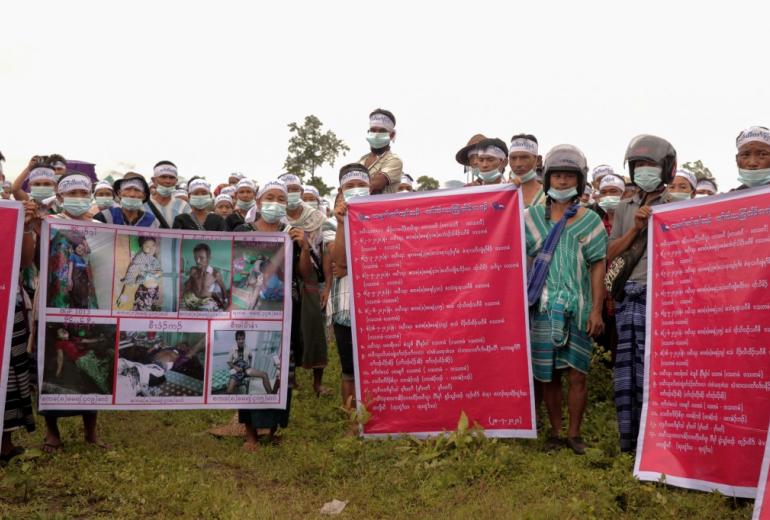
(163, 465)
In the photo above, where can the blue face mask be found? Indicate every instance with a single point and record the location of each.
(490, 177)
(294, 200)
(200, 201)
(752, 178)
(609, 202)
(531, 174)
(40, 193)
(76, 206)
(378, 140)
(245, 205)
(165, 191)
(562, 195)
(105, 202)
(648, 177)
(355, 192)
(272, 212)
(674, 196)
(131, 203)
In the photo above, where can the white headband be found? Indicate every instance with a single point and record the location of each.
(42, 172)
(588, 190)
(228, 190)
(689, 176)
(406, 180)
(601, 171)
(381, 120)
(198, 183)
(706, 184)
(290, 179)
(58, 164)
(312, 190)
(237, 175)
(103, 185)
(612, 181)
(6, 184)
(520, 144)
(74, 182)
(132, 183)
(179, 194)
(494, 151)
(753, 134)
(272, 185)
(164, 169)
(473, 151)
(223, 198)
(353, 175)
(245, 183)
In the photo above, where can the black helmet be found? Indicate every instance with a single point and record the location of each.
(651, 148)
(565, 158)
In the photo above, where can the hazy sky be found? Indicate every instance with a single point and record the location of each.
(212, 86)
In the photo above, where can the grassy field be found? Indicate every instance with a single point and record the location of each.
(164, 464)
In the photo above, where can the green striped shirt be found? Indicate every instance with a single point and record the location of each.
(582, 243)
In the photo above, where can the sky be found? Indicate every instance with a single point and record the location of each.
(212, 86)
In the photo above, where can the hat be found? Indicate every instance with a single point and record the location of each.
(132, 176)
(493, 146)
(462, 155)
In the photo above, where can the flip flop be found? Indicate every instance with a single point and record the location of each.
(51, 448)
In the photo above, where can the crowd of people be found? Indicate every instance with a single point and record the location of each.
(585, 238)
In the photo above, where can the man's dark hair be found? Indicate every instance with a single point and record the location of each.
(202, 247)
(530, 137)
(384, 112)
(240, 334)
(352, 167)
(55, 157)
(142, 240)
(2, 157)
(161, 163)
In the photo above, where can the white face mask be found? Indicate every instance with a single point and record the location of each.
(752, 178)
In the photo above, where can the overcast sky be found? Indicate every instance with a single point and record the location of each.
(212, 86)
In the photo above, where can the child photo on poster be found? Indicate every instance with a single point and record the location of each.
(145, 274)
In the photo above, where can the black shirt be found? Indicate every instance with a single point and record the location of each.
(213, 222)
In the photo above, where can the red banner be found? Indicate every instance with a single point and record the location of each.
(439, 311)
(11, 229)
(707, 384)
(762, 504)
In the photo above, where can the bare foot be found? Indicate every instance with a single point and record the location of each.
(51, 444)
(251, 447)
(99, 444)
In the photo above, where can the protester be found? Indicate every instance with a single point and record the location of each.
(491, 156)
(58, 163)
(181, 193)
(6, 194)
(587, 197)
(468, 157)
(165, 178)
(682, 186)
(234, 178)
(753, 157)
(565, 295)
(384, 167)
(611, 189)
(104, 195)
(651, 163)
(223, 206)
(200, 218)
(705, 188)
(42, 184)
(133, 193)
(272, 200)
(311, 197)
(407, 184)
(245, 193)
(523, 159)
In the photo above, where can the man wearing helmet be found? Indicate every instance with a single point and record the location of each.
(564, 288)
(651, 163)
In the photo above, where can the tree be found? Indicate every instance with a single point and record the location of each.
(698, 169)
(309, 149)
(425, 183)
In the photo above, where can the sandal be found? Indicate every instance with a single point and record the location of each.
(51, 448)
(577, 445)
(553, 443)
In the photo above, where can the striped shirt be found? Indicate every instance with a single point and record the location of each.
(582, 243)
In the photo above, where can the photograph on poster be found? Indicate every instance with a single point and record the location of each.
(80, 268)
(160, 364)
(78, 358)
(146, 278)
(206, 275)
(258, 276)
(246, 362)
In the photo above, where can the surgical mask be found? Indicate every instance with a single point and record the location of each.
(314, 204)
(200, 201)
(105, 202)
(378, 139)
(165, 191)
(40, 193)
(245, 205)
(355, 192)
(294, 200)
(609, 202)
(562, 195)
(531, 174)
(674, 196)
(272, 212)
(490, 176)
(648, 177)
(76, 206)
(752, 178)
(131, 203)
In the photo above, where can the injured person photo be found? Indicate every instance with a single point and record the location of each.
(204, 287)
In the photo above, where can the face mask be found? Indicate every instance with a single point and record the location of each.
(131, 203)
(752, 178)
(272, 211)
(562, 195)
(674, 196)
(165, 191)
(610, 202)
(40, 193)
(531, 174)
(647, 177)
(489, 177)
(200, 201)
(378, 139)
(105, 202)
(76, 206)
(295, 200)
(355, 192)
(313, 204)
(245, 206)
